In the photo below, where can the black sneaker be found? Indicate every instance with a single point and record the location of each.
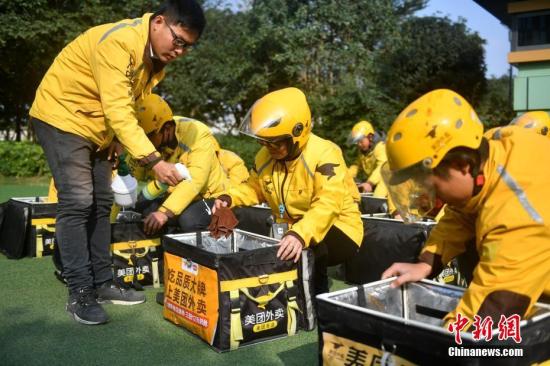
(83, 307)
(112, 293)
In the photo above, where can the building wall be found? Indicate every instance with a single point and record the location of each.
(532, 86)
(532, 83)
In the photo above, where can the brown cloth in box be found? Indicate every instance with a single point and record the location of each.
(223, 222)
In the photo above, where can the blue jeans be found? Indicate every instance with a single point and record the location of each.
(82, 177)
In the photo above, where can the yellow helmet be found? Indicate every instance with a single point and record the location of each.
(431, 126)
(420, 137)
(360, 129)
(538, 121)
(280, 115)
(152, 113)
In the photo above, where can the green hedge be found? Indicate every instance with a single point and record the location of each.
(26, 159)
(243, 146)
(22, 159)
(247, 148)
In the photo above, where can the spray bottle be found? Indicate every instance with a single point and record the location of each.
(124, 186)
(154, 188)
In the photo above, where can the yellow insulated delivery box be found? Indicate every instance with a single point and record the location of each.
(374, 324)
(235, 291)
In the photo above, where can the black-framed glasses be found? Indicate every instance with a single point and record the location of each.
(274, 144)
(179, 42)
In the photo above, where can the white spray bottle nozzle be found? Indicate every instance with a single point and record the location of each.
(183, 171)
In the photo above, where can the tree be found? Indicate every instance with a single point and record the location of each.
(495, 106)
(353, 59)
(434, 53)
(33, 32)
(325, 47)
(213, 83)
(330, 50)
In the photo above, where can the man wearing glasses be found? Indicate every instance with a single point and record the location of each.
(83, 109)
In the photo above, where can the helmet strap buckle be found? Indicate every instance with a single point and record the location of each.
(479, 181)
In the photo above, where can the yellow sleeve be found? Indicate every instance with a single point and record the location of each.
(448, 239)
(513, 271)
(109, 64)
(234, 166)
(238, 173)
(380, 155)
(199, 164)
(328, 197)
(248, 193)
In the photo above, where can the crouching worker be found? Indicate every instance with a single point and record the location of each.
(304, 180)
(371, 157)
(495, 193)
(185, 141)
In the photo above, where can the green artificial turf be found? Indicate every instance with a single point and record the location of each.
(22, 187)
(36, 330)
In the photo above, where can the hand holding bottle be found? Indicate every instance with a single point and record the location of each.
(155, 188)
(166, 173)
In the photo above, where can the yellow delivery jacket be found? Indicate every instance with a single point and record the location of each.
(509, 219)
(310, 193)
(233, 166)
(91, 87)
(197, 151)
(371, 163)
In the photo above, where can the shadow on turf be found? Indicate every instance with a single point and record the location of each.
(295, 356)
(27, 339)
(53, 339)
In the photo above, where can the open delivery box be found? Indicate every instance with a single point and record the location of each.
(375, 324)
(235, 291)
(27, 227)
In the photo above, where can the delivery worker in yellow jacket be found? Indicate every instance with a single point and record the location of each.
(85, 101)
(233, 166)
(496, 194)
(191, 143)
(305, 181)
(371, 157)
(537, 121)
(252, 219)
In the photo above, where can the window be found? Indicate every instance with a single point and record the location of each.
(531, 31)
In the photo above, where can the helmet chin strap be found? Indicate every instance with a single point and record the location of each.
(293, 151)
